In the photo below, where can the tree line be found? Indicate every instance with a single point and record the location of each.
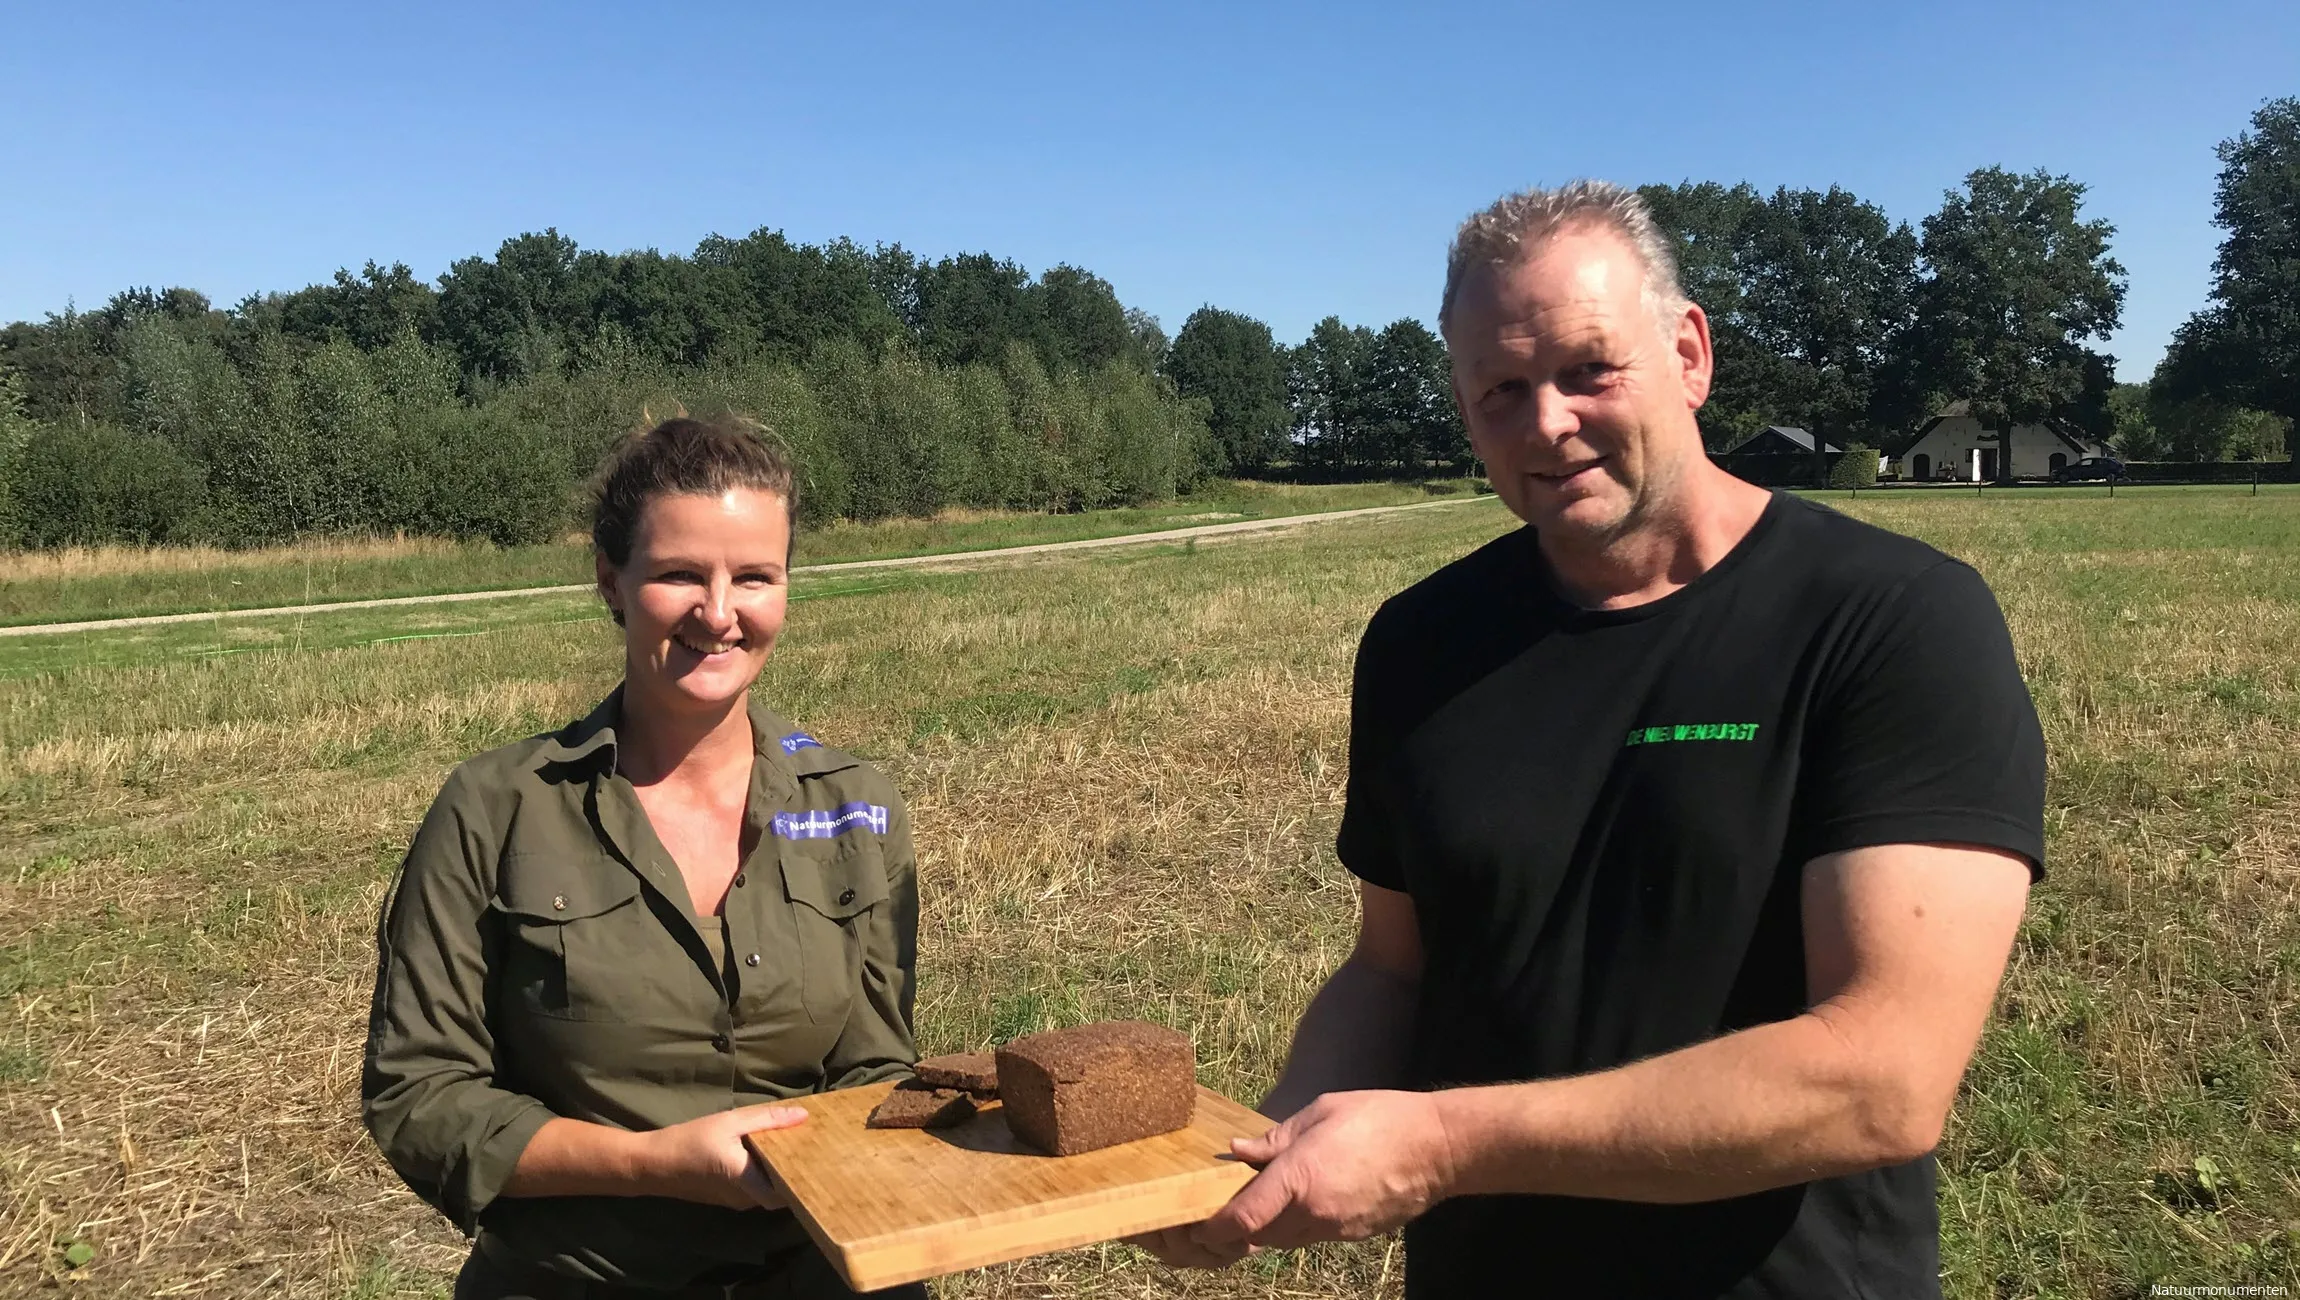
(381, 403)
(473, 406)
(1829, 315)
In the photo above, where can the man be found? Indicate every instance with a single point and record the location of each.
(1694, 825)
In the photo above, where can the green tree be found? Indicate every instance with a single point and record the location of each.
(762, 293)
(2132, 424)
(1711, 228)
(971, 307)
(2207, 429)
(84, 484)
(2018, 281)
(15, 436)
(651, 303)
(1405, 401)
(2244, 349)
(61, 365)
(1078, 319)
(367, 310)
(1829, 287)
(514, 314)
(997, 461)
(181, 387)
(1325, 386)
(1231, 361)
(1151, 441)
(1148, 344)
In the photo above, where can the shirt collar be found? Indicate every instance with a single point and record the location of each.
(592, 735)
(592, 740)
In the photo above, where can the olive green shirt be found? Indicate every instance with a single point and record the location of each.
(539, 957)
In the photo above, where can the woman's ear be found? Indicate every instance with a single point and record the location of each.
(609, 592)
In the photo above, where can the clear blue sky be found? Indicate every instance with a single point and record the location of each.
(1285, 161)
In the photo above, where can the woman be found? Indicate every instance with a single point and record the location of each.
(611, 949)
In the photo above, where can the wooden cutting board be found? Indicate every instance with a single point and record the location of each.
(889, 1206)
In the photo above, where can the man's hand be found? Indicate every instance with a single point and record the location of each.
(1178, 1247)
(1348, 1166)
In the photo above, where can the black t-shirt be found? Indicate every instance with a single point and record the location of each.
(1602, 817)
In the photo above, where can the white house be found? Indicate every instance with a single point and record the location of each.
(1954, 447)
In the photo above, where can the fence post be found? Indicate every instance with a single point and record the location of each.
(2256, 480)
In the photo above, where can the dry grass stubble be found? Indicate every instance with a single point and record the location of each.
(189, 942)
(1126, 772)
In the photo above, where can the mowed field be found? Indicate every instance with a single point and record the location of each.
(75, 583)
(1126, 768)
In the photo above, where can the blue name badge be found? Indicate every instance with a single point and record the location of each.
(820, 825)
(799, 740)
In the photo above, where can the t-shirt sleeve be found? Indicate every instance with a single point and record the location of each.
(1926, 733)
(1367, 843)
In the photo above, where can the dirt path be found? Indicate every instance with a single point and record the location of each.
(896, 562)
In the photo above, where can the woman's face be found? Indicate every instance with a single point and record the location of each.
(702, 596)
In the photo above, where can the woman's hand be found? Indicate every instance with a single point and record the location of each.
(704, 1160)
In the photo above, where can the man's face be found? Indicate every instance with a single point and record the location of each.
(1577, 400)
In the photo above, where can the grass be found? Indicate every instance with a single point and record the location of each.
(124, 582)
(197, 844)
(331, 630)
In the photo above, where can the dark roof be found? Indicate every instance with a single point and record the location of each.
(1800, 439)
(2071, 436)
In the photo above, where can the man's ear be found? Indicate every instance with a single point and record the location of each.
(1696, 360)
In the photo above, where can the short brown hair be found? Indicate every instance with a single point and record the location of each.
(683, 456)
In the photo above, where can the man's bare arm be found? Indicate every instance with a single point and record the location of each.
(1905, 945)
(1904, 949)
(1355, 1032)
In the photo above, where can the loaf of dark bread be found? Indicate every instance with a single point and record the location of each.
(972, 1072)
(1072, 1090)
(914, 1104)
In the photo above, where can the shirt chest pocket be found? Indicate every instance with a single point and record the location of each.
(575, 937)
(833, 888)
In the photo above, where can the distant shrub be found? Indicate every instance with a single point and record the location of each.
(84, 484)
(471, 474)
(1857, 468)
(15, 435)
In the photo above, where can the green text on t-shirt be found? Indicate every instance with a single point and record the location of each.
(1692, 731)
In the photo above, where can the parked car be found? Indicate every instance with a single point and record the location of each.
(2092, 469)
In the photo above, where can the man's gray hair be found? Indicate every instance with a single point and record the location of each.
(1517, 225)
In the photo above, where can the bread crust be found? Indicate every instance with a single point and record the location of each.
(1069, 1091)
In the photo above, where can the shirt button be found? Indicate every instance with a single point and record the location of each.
(719, 1042)
(751, 960)
(739, 880)
(846, 897)
(559, 902)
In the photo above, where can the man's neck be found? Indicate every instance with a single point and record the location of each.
(1679, 538)
(653, 742)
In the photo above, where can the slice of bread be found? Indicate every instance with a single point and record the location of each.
(914, 1104)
